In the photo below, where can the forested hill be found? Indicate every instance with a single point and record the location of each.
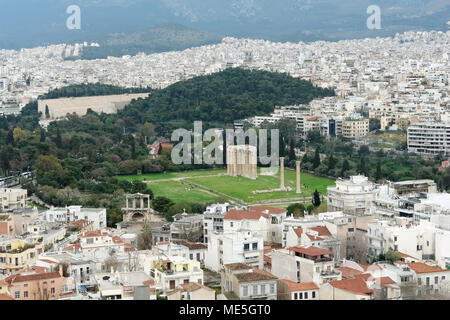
(85, 90)
(224, 97)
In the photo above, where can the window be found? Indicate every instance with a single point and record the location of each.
(198, 256)
(295, 296)
(428, 281)
(436, 280)
(17, 295)
(52, 291)
(306, 295)
(191, 256)
(272, 288)
(245, 291)
(313, 294)
(263, 289)
(255, 290)
(301, 296)
(255, 246)
(246, 247)
(25, 294)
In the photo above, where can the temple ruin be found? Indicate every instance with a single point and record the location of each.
(242, 161)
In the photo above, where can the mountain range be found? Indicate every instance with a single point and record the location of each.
(28, 23)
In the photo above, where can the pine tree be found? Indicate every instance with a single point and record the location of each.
(10, 138)
(316, 161)
(58, 139)
(292, 150)
(47, 112)
(362, 167)
(378, 173)
(42, 139)
(345, 167)
(133, 147)
(316, 199)
(331, 162)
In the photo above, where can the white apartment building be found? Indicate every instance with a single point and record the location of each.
(416, 240)
(353, 196)
(305, 264)
(243, 246)
(12, 199)
(213, 219)
(429, 138)
(74, 213)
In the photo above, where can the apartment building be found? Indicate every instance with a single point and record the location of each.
(290, 290)
(416, 240)
(15, 254)
(73, 213)
(429, 138)
(352, 196)
(247, 283)
(12, 199)
(173, 271)
(243, 246)
(213, 219)
(40, 285)
(305, 264)
(353, 129)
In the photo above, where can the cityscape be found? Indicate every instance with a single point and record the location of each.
(333, 185)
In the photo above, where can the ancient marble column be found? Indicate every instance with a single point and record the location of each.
(299, 190)
(282, 187)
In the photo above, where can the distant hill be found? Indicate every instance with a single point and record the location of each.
(168, 37)
(29, 23)
(222, 98)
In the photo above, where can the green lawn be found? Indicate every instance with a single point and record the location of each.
(236, 187)
(241, 188)
(178, 192)
(171, 175)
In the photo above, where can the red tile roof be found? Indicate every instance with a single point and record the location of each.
(404, 255)
(349, 273)
(420, 267)
(298, 232)
(314, 238)
(96, 233)
(267, 259)
(32, 277)
(269, 210)
(48, 261)
(4, 297)
(385, 280)
(254, 276)
(310, 251)
(303, 286)
(356, 286)
(322, 231)
(117, 240)
(238, 266)
(244, 215)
